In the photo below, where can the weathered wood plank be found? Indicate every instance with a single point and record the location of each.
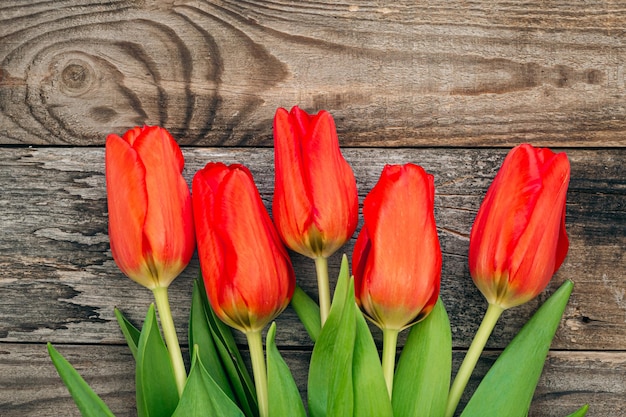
(405, 73)
(59, 283)
(29, 384)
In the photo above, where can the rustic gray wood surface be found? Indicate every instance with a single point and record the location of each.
(394, 73)
(449, 85)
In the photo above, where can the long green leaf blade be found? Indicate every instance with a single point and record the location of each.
(330, 390)
(234, 366)
(508, 387)
(157, 395)
(203, 396)
(371, 398)
(341, 389)
(581, 412)
(89, 404)
(130, 332)
(308, 312)
(422, 377)
(200, 334)
(284, 397)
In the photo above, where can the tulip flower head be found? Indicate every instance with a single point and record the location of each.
(518, 240)
(149, 203)
(246, 269)
(315, 205)
(397, 258)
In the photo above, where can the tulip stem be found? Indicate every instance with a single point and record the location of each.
(390, 342)
(171, 339)
(321, 267)
(255, 343)
(471, 358)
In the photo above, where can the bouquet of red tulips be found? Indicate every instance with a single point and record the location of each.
(517, 242)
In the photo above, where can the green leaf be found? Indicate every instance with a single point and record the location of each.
(345, 375)
(232, 361)
(89, 404)
(422, 377)
(200, 334)
(308, 312)
(203, 396)
(371, 397)
(157, 395)
(330, 391)
(508, 387)
(130, 332)
(284, 397)
(581, 412)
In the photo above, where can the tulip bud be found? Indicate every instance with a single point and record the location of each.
(315, 205)
(246, 269)
(150, 213)
(518, 240)
(397, 258)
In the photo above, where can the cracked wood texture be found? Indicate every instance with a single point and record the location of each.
(450, 85)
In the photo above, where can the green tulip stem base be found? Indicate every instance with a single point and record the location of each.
(321, 267)
(471, 358)
(390, 342)
(255, 343)
(171, 339)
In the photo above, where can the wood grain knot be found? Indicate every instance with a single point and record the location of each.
(74, 80)
(77, 77)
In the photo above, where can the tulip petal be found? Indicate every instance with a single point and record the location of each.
(292, 203)
(127, 202)
(563, 244)
(247, 272)
(168, 211)
(315, 204)
(325, 165)
(250, 220)
(508, 206)
(562, 164)
(360, 254)
(397, 262)
(518, 239)
(300, 120)
(210, 248)
(150, 218)
(536, 252)
(132, 134)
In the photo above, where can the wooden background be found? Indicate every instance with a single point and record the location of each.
(450, 85)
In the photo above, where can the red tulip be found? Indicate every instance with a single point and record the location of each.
(397, 258)
(150, 213)
(518, 240)
(315, 204)
(247, 271)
